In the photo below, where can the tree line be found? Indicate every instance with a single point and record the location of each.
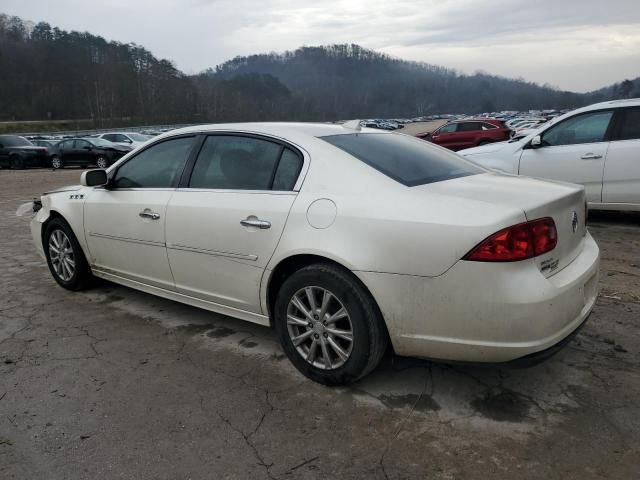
(50, 74)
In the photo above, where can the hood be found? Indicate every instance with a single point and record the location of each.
(70, 188)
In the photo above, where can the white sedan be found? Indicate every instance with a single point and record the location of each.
(597, 146)
(345, 240)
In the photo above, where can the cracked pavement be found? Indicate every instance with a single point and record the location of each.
(114, 383)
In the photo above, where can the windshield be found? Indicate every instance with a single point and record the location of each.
(405, 159)
(138, 137)
(15, 141)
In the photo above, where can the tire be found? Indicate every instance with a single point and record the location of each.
(56, 163)
(484, 142)
(16, 162)
(59, 235)
(102, 162)
(369, 338)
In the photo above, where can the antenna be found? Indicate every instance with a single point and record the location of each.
(352, 125)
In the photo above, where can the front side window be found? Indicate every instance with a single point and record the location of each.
(110, 137)
(158, 166)
(448, 128)
(230, 162)
(630, 128)
(404, 159)
(587, 128)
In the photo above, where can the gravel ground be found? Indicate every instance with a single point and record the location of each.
(113, 383)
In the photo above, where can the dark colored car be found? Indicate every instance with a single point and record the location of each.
(462, 134)
(18, 152)
(86, 151)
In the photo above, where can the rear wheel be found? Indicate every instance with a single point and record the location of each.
(56, 162)
(328, 325)
(16, 162)
(102, 162)
(65, 257)
(484, 142)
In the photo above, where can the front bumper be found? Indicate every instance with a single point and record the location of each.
(486, 312)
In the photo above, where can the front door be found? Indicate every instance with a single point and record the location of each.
(574, 150)
(224, 226)
(125, 223)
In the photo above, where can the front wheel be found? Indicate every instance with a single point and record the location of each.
(328, 325)
(56, 162)
(65, 257)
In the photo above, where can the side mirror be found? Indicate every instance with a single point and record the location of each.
(536, 142)
(94, 178)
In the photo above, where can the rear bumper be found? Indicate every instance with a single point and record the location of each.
(483, 312)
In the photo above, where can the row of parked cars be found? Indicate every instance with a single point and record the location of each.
(100, 150)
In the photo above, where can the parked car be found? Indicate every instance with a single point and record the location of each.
(86, 151)
(461, 134)
(276, 224)
(597, 146)
(131, 139)
(18, 152)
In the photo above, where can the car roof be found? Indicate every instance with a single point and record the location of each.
(284, 129)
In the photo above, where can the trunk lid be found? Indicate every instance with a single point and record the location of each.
(564, 202)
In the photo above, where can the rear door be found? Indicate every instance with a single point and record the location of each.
(466, 135)
(621, 182)
(573, 150)
(225, 223)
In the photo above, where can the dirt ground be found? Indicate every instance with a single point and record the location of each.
(113, 383)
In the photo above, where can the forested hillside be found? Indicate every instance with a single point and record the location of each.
(48, 73)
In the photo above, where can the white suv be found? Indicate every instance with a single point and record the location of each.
(597, 146)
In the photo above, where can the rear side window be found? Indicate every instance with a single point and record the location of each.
(630, 128)
(230, 162)
(288, 170)
(405, 159)
(488, 126)
(158, 166)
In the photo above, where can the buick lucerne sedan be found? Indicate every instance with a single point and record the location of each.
(346, 240)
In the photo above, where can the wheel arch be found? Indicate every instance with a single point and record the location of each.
(291, 264)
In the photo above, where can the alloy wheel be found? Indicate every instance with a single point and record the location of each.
(56, 163)
(61, 255)
(101, 162)
(320, 328)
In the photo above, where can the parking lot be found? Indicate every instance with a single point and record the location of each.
(113, 383)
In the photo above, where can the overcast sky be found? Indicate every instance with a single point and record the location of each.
(576, 45)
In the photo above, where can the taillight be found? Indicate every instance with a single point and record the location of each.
(518, 242)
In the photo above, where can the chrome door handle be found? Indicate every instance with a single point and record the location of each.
(590, 156)
(149, 214)
(256, 223)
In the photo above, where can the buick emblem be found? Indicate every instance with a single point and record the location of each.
(574, 221)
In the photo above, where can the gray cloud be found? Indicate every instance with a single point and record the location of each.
(573, 44)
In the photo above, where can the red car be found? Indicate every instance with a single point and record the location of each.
(461, 134)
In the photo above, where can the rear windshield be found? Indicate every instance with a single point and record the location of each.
(405, 159)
